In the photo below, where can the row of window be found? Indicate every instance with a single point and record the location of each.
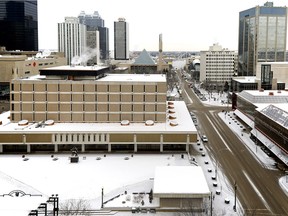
(83, 88)
(76, 138)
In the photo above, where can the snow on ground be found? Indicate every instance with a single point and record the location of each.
(123, 177)
(230, 119)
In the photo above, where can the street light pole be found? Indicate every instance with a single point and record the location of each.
(235, 190)
(102, 194)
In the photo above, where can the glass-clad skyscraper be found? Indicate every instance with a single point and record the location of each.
(95, 22)
(19, 25)
(262, 37)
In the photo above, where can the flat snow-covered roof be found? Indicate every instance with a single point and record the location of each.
(134, 78)
(183, 119)
(180, 182)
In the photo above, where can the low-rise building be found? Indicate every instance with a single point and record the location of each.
(94, 111)
(265, 112)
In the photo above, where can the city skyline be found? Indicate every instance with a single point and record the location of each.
(186, 26)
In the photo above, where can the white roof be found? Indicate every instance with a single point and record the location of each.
(250, 79)
(180, 182)
(118, 78)
(266, 96)
(134, 78)
(185, 125)
(77, 67)
(21, 205)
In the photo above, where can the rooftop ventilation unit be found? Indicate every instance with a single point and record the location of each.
(125, 122)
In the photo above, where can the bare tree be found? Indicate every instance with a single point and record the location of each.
(75, 207)
(190, 209)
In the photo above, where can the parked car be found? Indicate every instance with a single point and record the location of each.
(204, 138)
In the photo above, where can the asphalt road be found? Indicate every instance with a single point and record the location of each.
(258, 188)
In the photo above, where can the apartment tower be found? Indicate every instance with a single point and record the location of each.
(262, 37)
(72, 39)
(217, 65)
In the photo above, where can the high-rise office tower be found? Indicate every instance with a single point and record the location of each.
(121, 40)
(72, 39)
(94, 22)
(19, 25)
(262, 37)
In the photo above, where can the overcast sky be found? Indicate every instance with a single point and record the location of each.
(186, 25)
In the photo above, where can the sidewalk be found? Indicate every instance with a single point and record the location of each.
(237, 127)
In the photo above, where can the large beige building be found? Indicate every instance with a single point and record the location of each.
(84, 98)
(94, 111)
(22, 64)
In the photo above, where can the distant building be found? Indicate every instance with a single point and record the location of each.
(144, 64)
(17, 65)
(217, 66)
(121, 40)
(72, 39)
(262, 37)
(19, 25)
(269, 76)
(94, 22)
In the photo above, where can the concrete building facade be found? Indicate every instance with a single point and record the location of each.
(84, 107)
(22, 65)
(217, 65)
(265, 114)
(71, 38)
(121, 40)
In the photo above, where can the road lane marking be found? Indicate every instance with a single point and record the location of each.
(257, 191)
(219, 135)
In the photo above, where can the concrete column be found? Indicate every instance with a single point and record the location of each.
(135, 143)
(161, 143)
(55, 148)
(187, 147)
(28, 148)
(83, 147)
(109, 147)
(1, 148)
(188, 142)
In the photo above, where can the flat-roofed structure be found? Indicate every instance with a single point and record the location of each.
(265, 112)
(271, 123)
(183, 187)
(86, 94)
(94, 111)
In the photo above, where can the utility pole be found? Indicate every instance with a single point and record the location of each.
(235, 190)
(102, 194)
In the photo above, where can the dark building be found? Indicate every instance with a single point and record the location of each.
(262, 37)
(95, 22)
(19, 25)
(121, 40)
